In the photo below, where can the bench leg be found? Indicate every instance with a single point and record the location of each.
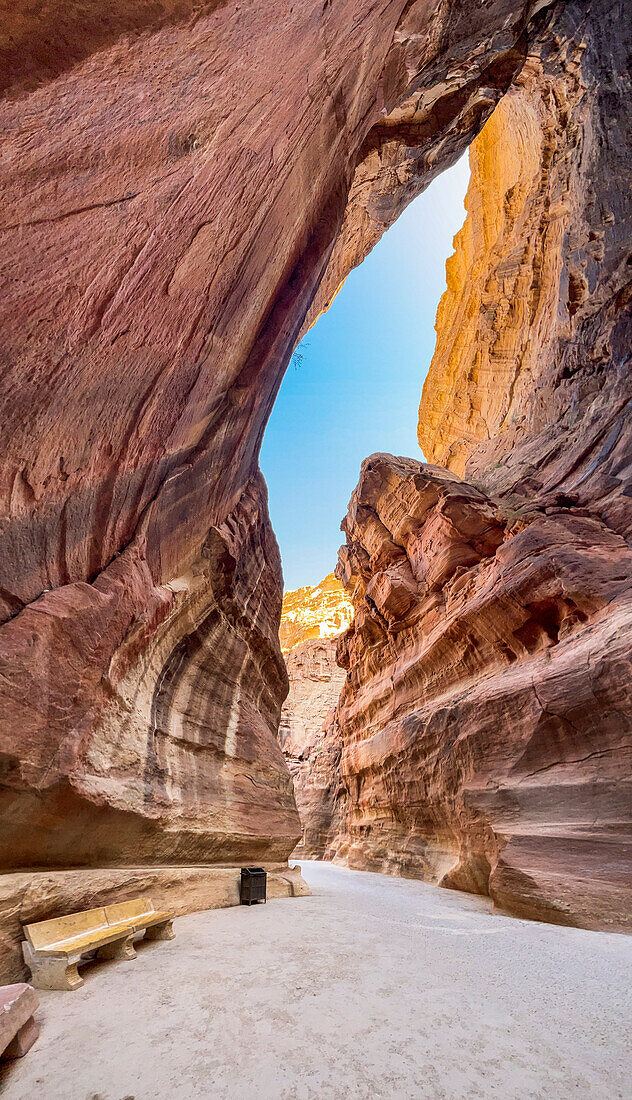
(22, 1040)
(162, 931)
(51, 973)
(119, 949)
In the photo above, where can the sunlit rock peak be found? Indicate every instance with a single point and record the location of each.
(315, 611)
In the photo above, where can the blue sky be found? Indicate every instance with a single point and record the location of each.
(358, 386)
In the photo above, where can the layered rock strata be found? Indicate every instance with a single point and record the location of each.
(312, 618)
(175, 179)
(486, 721)
(183, 708)
(310, 742)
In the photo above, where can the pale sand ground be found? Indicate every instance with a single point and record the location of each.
(373, 987)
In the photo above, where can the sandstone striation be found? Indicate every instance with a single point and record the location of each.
(183, 712)
(485, 723)
(175, 181)
(185, 185)
(312, 618)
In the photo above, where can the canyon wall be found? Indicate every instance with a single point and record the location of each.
(485, 722)
(183, 184)
(529, 389)
(183, 713)
(485, 726)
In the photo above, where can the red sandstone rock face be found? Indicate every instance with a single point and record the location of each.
(174, 181)
(312, 617)
(311, 744)
(485, 721)
(181, 715)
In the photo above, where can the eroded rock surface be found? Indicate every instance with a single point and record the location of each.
(184, 187)
(184, 704)
(485, 721)
(312, 618)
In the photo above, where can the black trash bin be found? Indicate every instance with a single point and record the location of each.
(253, 885)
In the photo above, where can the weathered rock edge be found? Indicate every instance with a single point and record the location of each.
(529, 391)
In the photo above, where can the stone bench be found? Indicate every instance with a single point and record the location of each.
(53, 948)
(18, 1030)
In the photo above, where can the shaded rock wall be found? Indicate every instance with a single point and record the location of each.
(183, 707)
(185, 186)
(175, 179)
(312, 617)
(486, 720)
(310, 742)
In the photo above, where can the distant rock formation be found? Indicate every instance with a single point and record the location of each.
(315, 611)
(310, 742)
(312, 619)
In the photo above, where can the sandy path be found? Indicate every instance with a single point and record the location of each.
(373, 987)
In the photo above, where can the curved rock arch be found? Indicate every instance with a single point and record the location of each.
(182, 197)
